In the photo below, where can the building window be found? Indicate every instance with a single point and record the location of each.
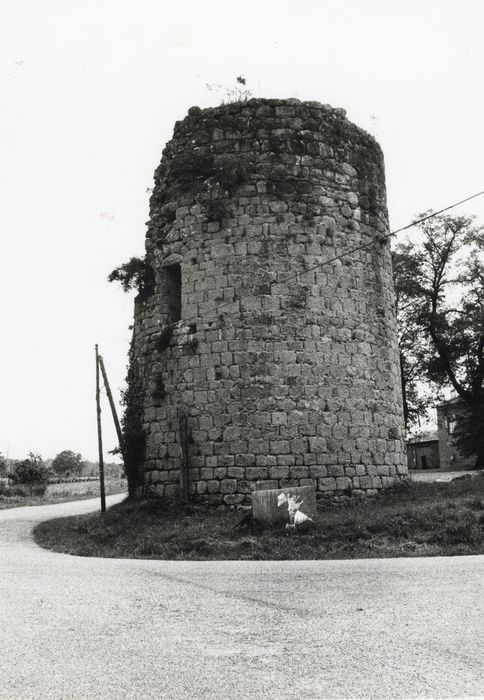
(451, 424)
(424, 461)
(174, 285)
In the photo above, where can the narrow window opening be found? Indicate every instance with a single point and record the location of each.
(174, 284)
(424, 462)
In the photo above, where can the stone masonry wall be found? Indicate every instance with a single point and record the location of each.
(287, 368)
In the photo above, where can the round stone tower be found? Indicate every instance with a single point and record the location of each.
(263, 356)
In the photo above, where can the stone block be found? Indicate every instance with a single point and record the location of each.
(245, 460)
(258, 447)
(343, 482)
(245, 486)
(201, 487)
(279, 447)
(279, 418)
(213, 486)
(220, 449)
(336, 470)
(285, 111)
(286, 460)
(327, 484)
(266, 460)
(278, 472)
(298, 472)
(255, 473)
(228, 486)
(365, 482)
(266, 484)
(236, 472)
(205, 422)
(318, 471)
(238, 446)
(299, 445)
(288, 483)
(317, 444)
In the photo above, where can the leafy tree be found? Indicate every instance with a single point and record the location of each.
(132, 425)
(3, 466)
(440, 292)
(67, 463)
(136, 274)
(30, 471)
(415, 404)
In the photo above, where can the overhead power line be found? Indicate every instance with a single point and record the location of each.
(436, 213)
(328, 261)
(380, 239)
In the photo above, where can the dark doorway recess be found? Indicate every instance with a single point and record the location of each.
(174, 284)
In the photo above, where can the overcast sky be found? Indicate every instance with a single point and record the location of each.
(89, 94)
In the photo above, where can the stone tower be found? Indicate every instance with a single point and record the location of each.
(281, 354)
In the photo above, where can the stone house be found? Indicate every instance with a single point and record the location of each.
(423, 453)
(449, 455)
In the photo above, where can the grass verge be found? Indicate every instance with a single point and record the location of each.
(416, 519)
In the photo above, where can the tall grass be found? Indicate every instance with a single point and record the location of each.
(416, 519)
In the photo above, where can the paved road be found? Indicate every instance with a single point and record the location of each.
(91, 628)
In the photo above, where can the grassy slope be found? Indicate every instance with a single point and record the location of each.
(415, 520)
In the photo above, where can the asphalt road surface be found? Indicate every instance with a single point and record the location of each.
(75, 627)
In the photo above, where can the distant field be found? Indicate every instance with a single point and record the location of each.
(87, 488)
(57, 493)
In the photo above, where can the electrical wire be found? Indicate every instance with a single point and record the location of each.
(328, 261)
(380, 239)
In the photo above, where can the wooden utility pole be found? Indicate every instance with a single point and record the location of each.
(113, 407)
(185, 463)
(99, 437)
